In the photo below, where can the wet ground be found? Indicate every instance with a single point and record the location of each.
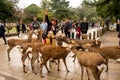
(13, 70)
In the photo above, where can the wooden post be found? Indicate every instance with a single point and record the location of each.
(89, 35)
(97, 33)
(94, 35)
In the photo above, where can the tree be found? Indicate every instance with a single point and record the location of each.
(62, 10)
(45, 4)
(31, 11)
(106, 8)
(86, 11)
(6, 9)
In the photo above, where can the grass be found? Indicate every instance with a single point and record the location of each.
(13, 30)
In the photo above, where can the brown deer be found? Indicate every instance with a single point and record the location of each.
(89, 60)
(14, 42)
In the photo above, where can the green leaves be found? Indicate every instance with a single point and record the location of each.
(31, 11)
(6, 9)
(60, 8)
(106, 8)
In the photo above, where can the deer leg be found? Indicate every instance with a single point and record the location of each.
(74, 56)
(23, 58)
(87, 73)
(95, 73)
(100, 71)
(45, 59)
(65, 64)
(41, 66)
(34, 57)
(38, 58)
(47, 67)
(106, 65)
(8, 51)
(82, 71)
(50, 63)
(41, 58)
(58, 64)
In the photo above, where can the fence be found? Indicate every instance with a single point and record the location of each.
(95, 33)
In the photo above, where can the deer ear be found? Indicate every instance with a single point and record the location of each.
(68, 48)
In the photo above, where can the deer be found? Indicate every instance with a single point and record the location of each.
(89, 60)
(14, 42)
(55, 52)
(112, 52)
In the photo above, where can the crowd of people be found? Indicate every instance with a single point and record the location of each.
(70, 29)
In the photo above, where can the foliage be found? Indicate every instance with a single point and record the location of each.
(106, 8)
(6, 9)
(62, 10)
(31, 11)
(45, 4)
(41, 15)
(86, 11)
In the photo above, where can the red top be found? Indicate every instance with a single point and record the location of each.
(78, 31)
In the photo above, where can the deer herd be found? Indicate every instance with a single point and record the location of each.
(88, 53)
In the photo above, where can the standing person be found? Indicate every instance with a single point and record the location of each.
(119, 32)
(84, 26)
(2, 32)
(43, 25)
(78, 32)
(67, 27)
(73, 31)
(21, 28)
(35, 23)
(30, 26)
(52, 28)
(118, 25)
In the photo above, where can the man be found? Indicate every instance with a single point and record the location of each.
(67, 27)
(2, 31)
(21, 28)
(35, 23)
(84, 26)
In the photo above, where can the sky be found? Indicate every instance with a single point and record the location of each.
(25, 3)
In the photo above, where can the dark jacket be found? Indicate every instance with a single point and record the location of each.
(119, 33)
(67, 26)
(84, 26)
(35, 25)
(50, 25)
(23, 28)
(2, 30)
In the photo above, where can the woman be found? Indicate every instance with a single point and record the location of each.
(52, 27)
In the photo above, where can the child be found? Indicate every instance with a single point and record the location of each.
(78, 31)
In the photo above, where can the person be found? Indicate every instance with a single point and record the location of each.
(118, 29)
(78, 32)
(73, 31)
(84, 26)
(67, 27)
(43, 25)
(35, 23)
(52, 27)
(2, 32)
(21, 28)
(118, 25)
